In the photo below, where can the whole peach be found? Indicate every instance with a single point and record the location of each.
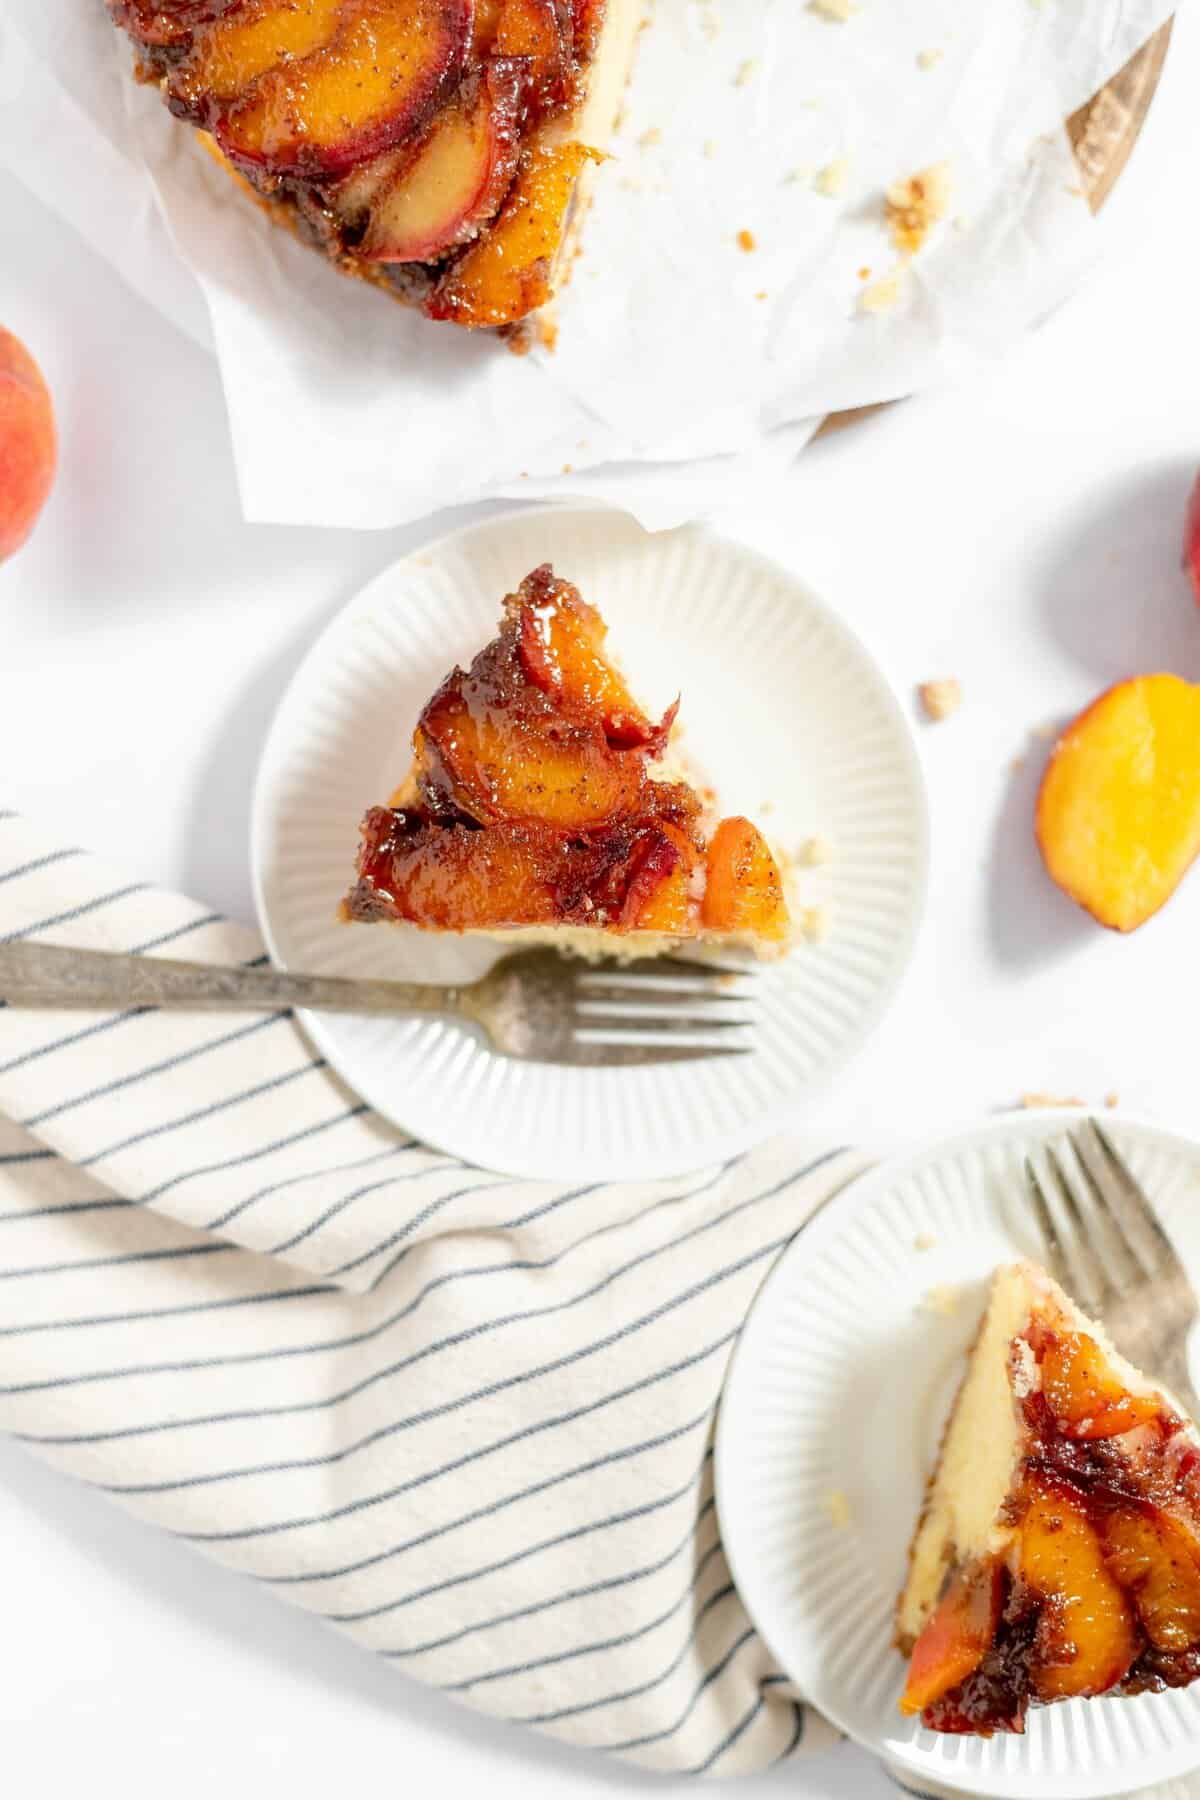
(1191, 541)
(28, 443)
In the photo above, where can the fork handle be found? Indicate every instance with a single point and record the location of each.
(57, 976)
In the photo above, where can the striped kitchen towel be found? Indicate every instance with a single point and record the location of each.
(467, 1420)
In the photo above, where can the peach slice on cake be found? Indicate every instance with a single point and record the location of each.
(457, 176)
(744, 891)
(521, 761)
(955, 1639)
(316, 86)
(1118, 814)
(226, 60)
(510, 272)
(530, 806)
(540, 31)
(1085, 1640)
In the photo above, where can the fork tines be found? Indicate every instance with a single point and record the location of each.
(661, 997)
(1129, 1243)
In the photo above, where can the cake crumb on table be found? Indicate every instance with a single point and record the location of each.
(746, 72)
(929, 59)
(924, 1240)
(1036, 1102)
(746, 241)
(836, 11)
(940, 698)
(885, 293)
(914, 205)
(943, 1300)
(838, 1508)
(831, 179)
(814, 852)
(1112, 1101)
(814, 924)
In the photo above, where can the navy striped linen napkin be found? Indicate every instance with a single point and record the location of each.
(466, 1419)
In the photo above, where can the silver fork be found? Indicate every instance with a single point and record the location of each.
(1112, 1254)
(536, 1005)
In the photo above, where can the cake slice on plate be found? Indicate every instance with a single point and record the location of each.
(530, 811)
(1058, 1554)
(439, 148)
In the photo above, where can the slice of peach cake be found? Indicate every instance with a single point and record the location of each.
(530, 811)
(1058, 1554)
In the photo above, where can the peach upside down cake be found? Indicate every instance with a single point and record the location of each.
(530, 809)
(1058, 1555)
(440, 148)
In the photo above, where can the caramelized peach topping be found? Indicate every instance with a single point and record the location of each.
(395, 133)
(532, 803)
(1099, 1590)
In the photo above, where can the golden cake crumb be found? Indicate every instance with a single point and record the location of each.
(1035, 1102)
(833, 177)
(929, 59)
(814, 922)
(943, 1300)
(813, 852)
(746, 241)
(924, 1240)
(836, 11)
(915, 205)
(652, 136)
(884, 293)
(838, 1508)
(746, 72)
(940, 698)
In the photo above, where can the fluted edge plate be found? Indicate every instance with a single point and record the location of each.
(783, 709)
(829, 1426)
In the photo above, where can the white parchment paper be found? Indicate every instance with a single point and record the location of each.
(686, 368)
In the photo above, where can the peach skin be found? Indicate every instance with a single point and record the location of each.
(1191, 540)
(28, 444)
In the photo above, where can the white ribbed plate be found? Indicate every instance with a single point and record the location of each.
(782, 708)
(840, 1385)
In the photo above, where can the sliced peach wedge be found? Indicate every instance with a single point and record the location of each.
(1118, 815)
(510, 272)
(561, 646)
(1086, 1634)
(956, 1637)
(1158, 1560)
(541, 31)
(227, 59)
(457, 176)
(521, 763)
(1086, 1399)
(316, 86)
(744, 889)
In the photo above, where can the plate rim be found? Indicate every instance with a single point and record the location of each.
(521, 1162)
(831, 1220)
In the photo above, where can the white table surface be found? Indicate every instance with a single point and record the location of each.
(1020, 532)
